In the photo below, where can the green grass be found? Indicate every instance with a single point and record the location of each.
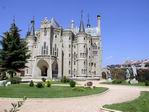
(21, 90)
(140, 104)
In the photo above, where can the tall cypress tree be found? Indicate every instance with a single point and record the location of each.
(14, 52)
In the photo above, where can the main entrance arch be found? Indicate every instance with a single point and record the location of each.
(43, 66)
(55, 69)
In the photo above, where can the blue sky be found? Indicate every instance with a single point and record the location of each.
(124, 23)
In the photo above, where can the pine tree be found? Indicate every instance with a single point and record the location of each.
(14, 52)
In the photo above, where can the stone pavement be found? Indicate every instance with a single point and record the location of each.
(92, 103)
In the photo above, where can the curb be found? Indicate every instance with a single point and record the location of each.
(109, 110)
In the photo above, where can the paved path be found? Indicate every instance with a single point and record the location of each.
(92, 103)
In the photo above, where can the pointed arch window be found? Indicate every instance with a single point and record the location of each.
(57, 51)
(44, 49)
(45, 32)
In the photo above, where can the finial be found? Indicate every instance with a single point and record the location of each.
(88, 21)
(98, 16)
(81, 14)
(14, 19)
(32, 21)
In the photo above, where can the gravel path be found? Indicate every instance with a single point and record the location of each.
(92, 103)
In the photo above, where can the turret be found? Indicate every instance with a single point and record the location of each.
(32, 27)
(98, 25)
(81, 28)
(31, 31)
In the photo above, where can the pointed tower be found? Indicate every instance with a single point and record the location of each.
(100, 43)
(81, 28)
(32, 27)
(88, 21)
(81, 50)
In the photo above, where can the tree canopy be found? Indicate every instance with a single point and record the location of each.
(14, 52)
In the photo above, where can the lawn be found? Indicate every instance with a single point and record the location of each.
(140, 104)
(21, 90)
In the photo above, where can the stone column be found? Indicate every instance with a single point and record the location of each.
(50, 69)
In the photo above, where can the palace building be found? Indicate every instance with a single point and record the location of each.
(75, 52)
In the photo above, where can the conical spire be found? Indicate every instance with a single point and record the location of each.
(28, 32)
(88, 21)
(81, 29)
(32, 27)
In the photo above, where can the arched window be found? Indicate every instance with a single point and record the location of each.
(57, 51)
(74, 55)
(53, 51)
(47, 50)
(84, 62)
(45, 31)
(44, 50)
(74, 63)
(55, 46)
(44, 45)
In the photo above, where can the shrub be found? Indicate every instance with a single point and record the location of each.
(118, 73)
(117, 81)
(89, 84)
(39, 85)
(48, 83)
(31, 84)
(15, 80)
(72, 83)
(78, 89)
(65, 79)
(143, 75)
(3, 76)
(43, 79)
(146, 83)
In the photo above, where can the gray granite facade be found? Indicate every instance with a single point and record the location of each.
(57, 52)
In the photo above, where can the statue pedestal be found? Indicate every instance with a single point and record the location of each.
(128, 80)
(133, 81)
(109, 80)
